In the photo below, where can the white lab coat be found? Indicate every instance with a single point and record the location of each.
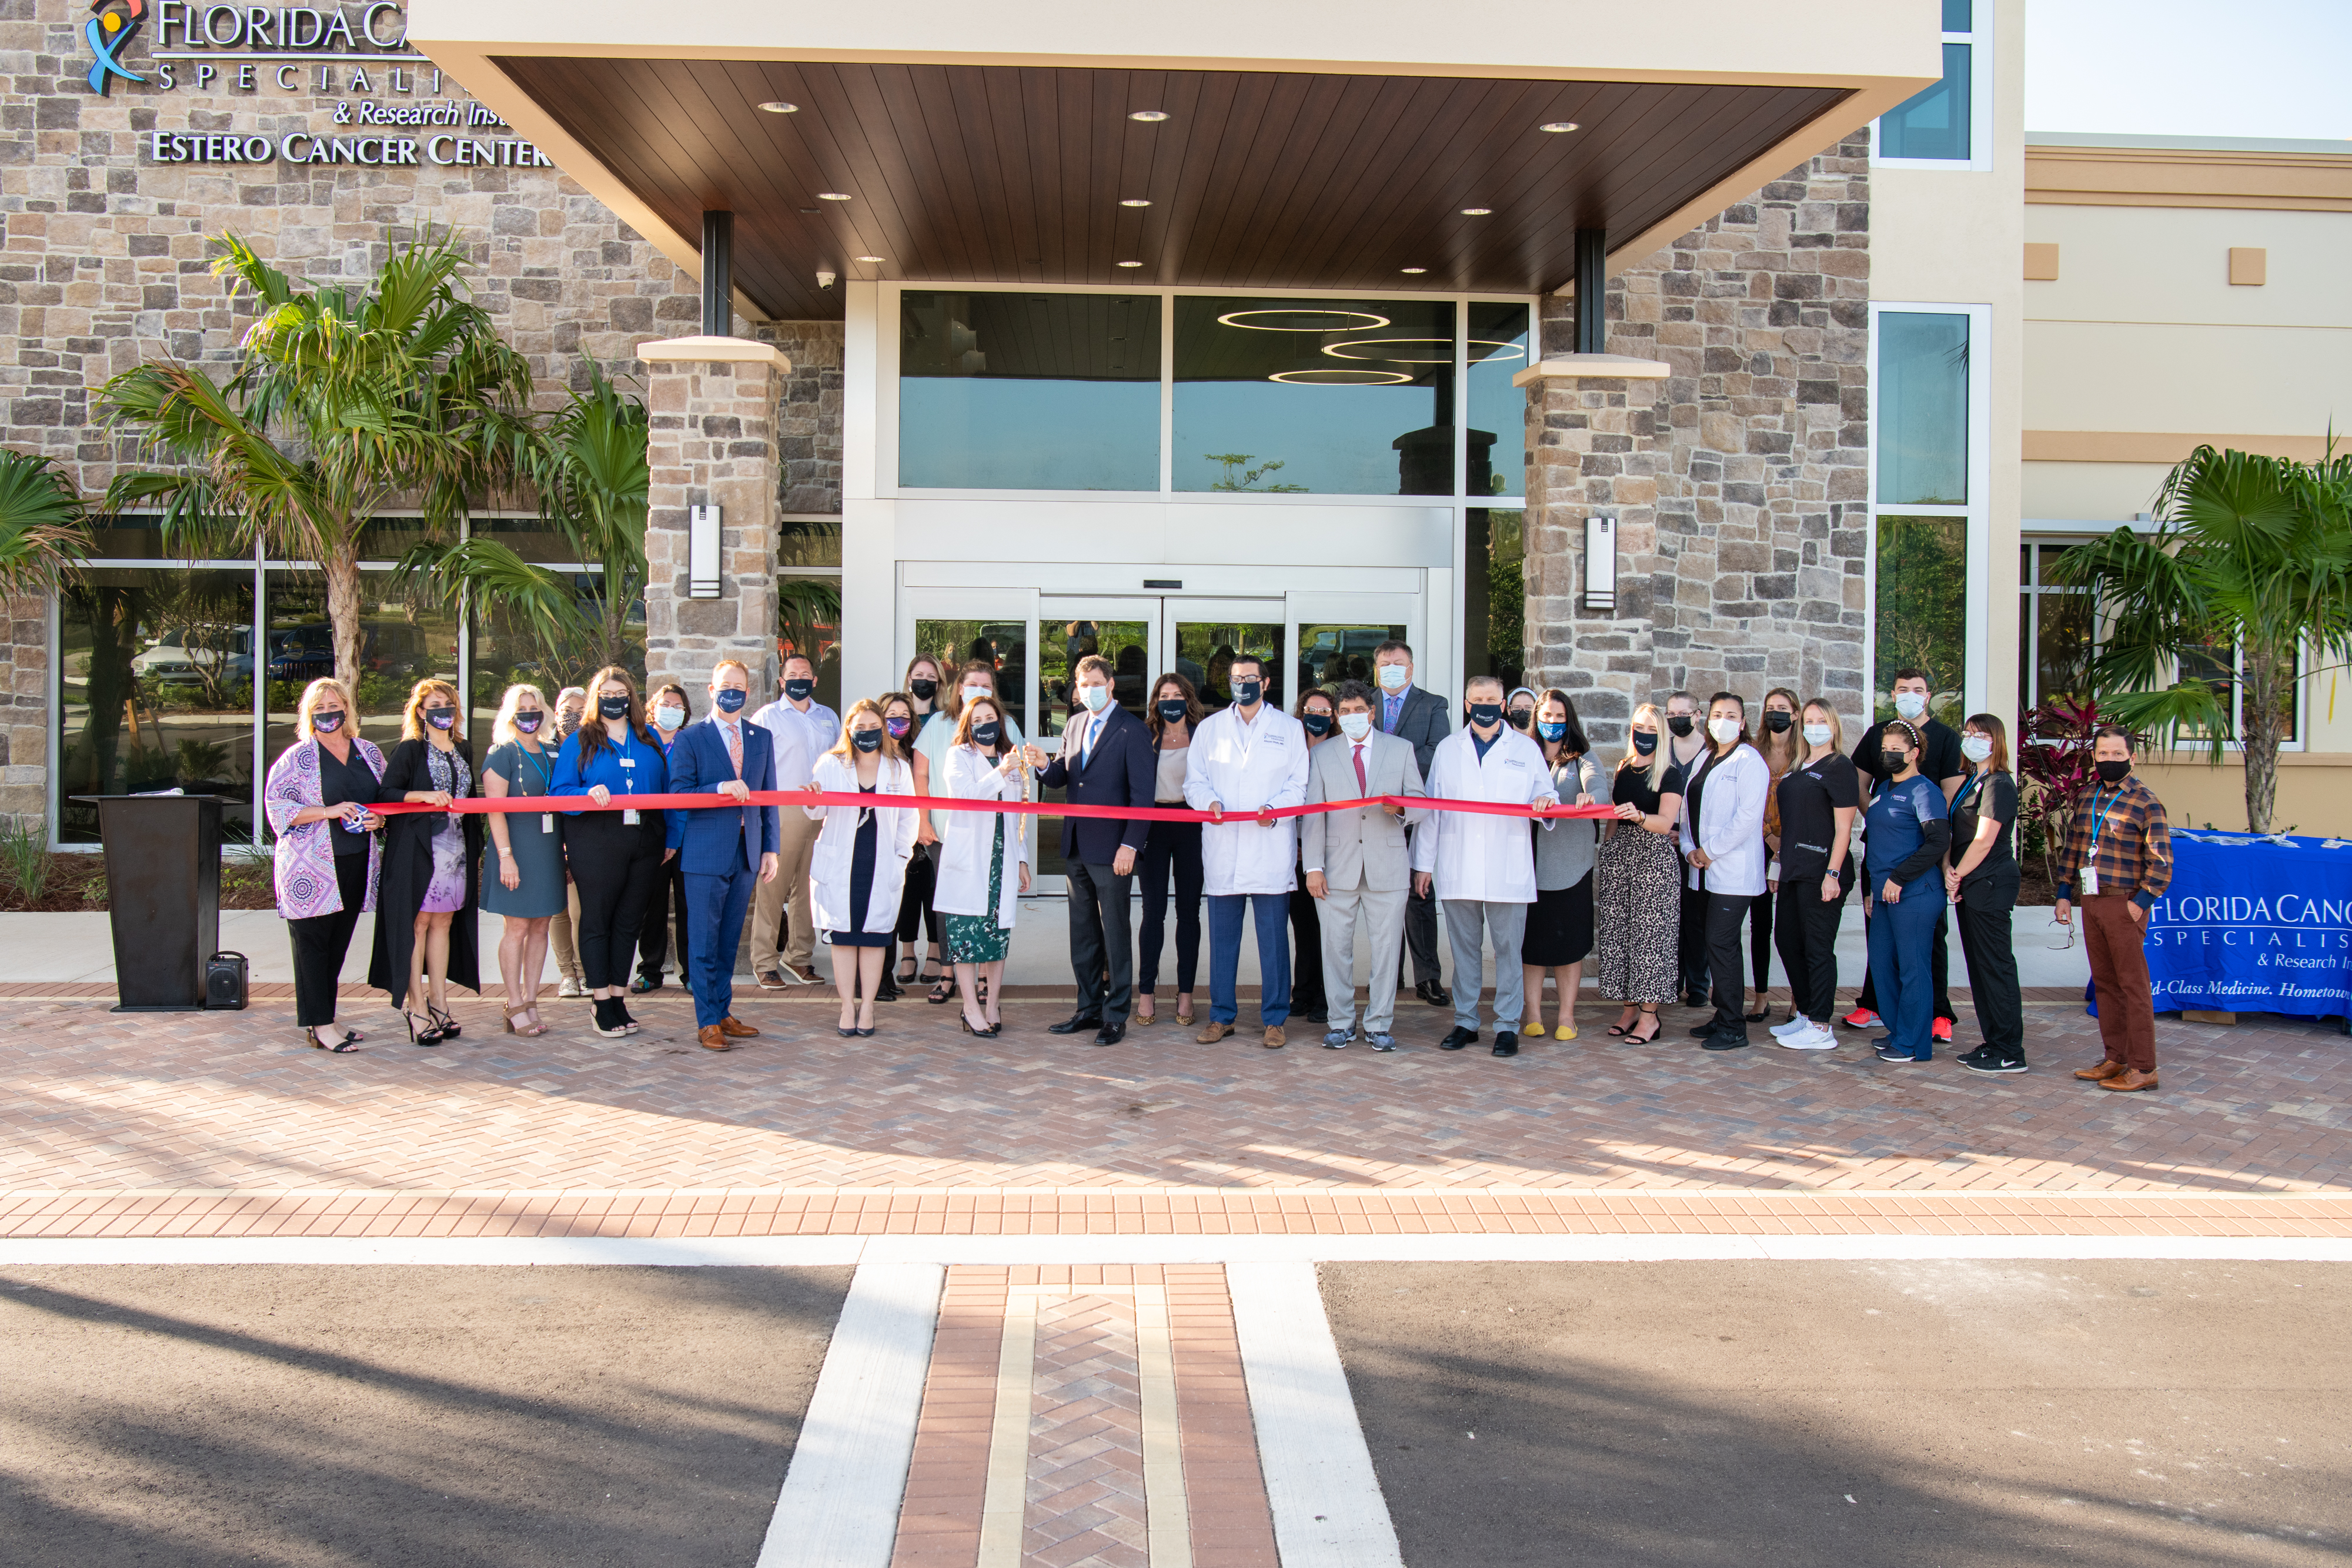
(1247, 769)
(1732, 832)
(966, 838)
(837, 846)
(1485, 858)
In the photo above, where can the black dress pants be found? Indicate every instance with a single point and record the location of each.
(1986, 904)
(666, 908)
(1307, 1000)
(1173, 849)
(616, 867)
(1807, 929)
(1693, 948)
(915, 910)
(321, 942)
(1101, 939)
(1939, 967)
(1421, 930)
(1759, 938)
(1724, 911)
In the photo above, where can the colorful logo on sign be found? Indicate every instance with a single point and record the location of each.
(109, 32)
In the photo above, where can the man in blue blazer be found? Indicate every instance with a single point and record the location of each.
(1106, 760)
(721, 848)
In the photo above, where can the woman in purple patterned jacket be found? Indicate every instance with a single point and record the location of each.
(317, 800)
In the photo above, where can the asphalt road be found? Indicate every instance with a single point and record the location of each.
(184, 1417)
(1959, 1415)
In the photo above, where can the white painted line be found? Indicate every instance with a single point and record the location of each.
(1329, 1511)
(839, 1505)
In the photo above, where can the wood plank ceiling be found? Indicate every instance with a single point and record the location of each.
(1018, 175)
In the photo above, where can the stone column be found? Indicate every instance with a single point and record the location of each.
(712, 442)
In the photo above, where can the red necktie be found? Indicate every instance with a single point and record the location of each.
(1357, 752)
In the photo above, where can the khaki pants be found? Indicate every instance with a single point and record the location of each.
(795, 846)
(561, 938)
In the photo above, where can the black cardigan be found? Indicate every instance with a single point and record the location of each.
(408, 869)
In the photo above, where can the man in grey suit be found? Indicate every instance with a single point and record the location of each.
(1420, 719)
(1358, 865)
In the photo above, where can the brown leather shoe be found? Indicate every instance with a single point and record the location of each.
(734, 1028)
(770, 980)
(1212, 1031)
(712, 1037)
(2102, 1073)
(1274, 1039)
(2129, 1080)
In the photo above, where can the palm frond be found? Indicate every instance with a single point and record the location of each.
(43, 525)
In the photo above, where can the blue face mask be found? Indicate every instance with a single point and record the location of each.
(1172, 712)
(799, 690)
(865, 739)
(1095, 698)
(669, 716)
(1551, 730)
(985, 734)
(729, 698)
(326, 723)
(441, 717)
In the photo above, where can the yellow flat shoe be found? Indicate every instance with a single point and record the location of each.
(1532, 1029)
(1564, 1031)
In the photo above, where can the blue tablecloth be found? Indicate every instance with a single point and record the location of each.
(2254, 926)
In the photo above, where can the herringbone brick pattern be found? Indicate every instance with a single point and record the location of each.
(1085, 1438)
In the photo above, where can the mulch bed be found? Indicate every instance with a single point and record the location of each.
(77, 882)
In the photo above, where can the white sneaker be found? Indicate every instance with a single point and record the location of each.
(1797, 1025)
(1813, 1038)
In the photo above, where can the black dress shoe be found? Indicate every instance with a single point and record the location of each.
(1703, 1031)
(1076, 1024)
(1695, 1000)
(1506, 1043)
(886, 991)
(1725, 1039)
(1458, 1037)
(1434, 994)
(1111, 1034)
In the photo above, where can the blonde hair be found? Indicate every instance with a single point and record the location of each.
(843, 746)
(310, 703)
(502, 728)
(1837, 725)
(412, 717)
(1657, 760)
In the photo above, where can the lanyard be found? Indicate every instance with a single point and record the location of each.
(539, 765)
(2101, 819)
(628, 763)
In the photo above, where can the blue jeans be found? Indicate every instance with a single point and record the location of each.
(1902, 962)
(1272, 912)
(715, 906)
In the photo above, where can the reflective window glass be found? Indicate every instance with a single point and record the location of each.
(1330, 653)
(1494, 597)
(1495, 445)
(1002, 643)
(508, 648)
(405, 638)
(1922, 610)
(1205, 651)
(155, 691)
(1351, 397)
(808, 614)
(1923, 408)
(1060, 646)
(801, 544)
(529, 537)
(1936, 122)
(1029, 392)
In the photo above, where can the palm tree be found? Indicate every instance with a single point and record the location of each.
(587, 466)
(43, 526)
(2248, 573)
(344, 401)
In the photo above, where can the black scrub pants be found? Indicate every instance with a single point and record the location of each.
(616, 866)
(1694, 945)
(1986, 902)
(321, 942)
(1724, 911)
(667, 908)
(1807, 928)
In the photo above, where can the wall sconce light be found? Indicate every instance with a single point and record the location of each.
(702, 552)
(1601, 562)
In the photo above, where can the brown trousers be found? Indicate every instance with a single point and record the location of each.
(2119, 969)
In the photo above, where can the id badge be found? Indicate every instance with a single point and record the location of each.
(2090, 880)
(629, 818)
(547, 822)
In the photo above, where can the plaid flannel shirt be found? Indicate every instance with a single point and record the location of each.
(2134, 849)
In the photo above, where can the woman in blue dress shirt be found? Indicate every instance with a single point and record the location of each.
(1908, 830)
(616, 856)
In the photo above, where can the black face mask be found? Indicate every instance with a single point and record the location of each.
(924, 690)
(1894, 761)
(799, 690)
(612, 708)
(1778, 722)
(1680, 724)
(1172, 712)
(865, 739)
(1484, 715)
(326, 723)
(2114, 772)
(1644, 742)
(529, 723)
(1246, 692)
(985, 734)
(1318, 723)
(1521, 718)
(441, 717)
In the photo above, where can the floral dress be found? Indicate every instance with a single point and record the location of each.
(977, 938)
(445, 892)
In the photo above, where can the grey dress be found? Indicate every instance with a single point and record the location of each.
(539, 856)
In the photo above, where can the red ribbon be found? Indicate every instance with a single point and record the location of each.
(479, 804)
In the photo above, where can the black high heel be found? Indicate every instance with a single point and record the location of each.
(449, 1026)
(348, 1043)
(1656, 1025)
(430, 1035)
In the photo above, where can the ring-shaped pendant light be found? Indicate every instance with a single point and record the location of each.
(1444, 358)
(1331, 320)
(1327, 376)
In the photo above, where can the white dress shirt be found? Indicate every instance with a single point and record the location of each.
(1248, 766)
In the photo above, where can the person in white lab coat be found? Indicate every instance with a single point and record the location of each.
(1481, 866)
(1723, 846)
(859, 866)
(985, 858)
(1248, 758)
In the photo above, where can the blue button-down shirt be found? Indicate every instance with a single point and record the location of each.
(649, 775)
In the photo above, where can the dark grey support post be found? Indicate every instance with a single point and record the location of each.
(1591, 291)
(718, 275)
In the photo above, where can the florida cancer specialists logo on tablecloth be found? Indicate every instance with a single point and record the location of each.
(2254, 925)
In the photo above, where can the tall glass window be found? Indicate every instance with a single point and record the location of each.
(1922, 608)
(1028, 392)
(1494, 597)
(1330, 397)
(1940, 124)
(2053, 632)
(1922, 409)
(1930, 516)
(1497, 437)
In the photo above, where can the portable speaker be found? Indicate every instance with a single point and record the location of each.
(225, 981)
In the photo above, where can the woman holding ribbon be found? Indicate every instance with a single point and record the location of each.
(664, 930)
(1636, 905)
(1560, 925)
(427, 901)
(976, 901)
(1171, 849)
(900, 720)
(317, 801)
(859, 866)
(1319, 715)
(616, 855)
(522, 877)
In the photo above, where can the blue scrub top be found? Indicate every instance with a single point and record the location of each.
(1895, 827)
(649, 777)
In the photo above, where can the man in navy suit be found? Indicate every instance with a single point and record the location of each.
(1106, 760)
(722, 848)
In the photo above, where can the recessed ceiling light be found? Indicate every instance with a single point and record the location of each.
(1130, 264)
(831, 196)
(1135, 202)
(777, 105)
(1415, 271)
(1476, 212)
(1149, 116)
(874, 258)
(1558, 127)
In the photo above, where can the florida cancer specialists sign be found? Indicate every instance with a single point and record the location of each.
(2254, 925)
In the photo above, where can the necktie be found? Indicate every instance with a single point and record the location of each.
(1087, 747)
(1362, 788)
(1389, 707)
(734, 747)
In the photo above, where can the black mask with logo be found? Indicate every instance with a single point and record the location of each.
(1645, 742)
(612, 708)
(865, 739)
(799, 690)
(1246, 692)
(1486, 714)
(1318, 723)
(1172, 711)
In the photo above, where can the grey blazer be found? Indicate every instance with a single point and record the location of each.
(1364, 848)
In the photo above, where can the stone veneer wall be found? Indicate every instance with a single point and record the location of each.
(1740, 482)
(713, 442)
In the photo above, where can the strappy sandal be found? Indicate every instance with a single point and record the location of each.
(348, 1043)
(515, 1012)
(450, 1028)
(1625, 1026)
(942, 992)
(1656, 1025)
